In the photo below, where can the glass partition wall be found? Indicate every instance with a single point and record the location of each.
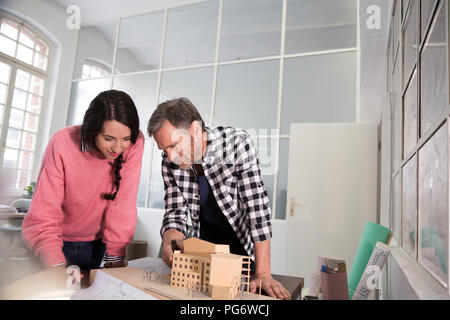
(257, 65)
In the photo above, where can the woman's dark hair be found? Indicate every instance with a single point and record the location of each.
(109, 105)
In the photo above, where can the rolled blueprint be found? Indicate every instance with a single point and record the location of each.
(372, 233)
(376, 263)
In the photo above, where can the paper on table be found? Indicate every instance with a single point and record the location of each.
(150, 264)
(314, 284)
(106, 287)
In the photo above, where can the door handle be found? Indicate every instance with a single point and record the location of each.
(292, 205)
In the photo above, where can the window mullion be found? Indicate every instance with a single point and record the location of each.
(28, 67)
(19, 30)
(7, 112)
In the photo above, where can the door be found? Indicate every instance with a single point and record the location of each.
(332, 192)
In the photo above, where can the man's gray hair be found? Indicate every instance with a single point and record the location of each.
(179, 112)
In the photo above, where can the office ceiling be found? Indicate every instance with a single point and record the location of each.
(105, 10)
(138, 41)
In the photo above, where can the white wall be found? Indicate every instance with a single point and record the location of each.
(147, 229)
(94, 45)
(278, 246)
(49, 18)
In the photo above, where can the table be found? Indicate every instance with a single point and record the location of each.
(293, 285)
(11, 227)
(54, 280)
(48, 280)
(7, 216)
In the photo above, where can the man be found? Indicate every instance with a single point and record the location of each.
(212, 176)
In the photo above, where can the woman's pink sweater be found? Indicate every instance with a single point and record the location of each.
(68, 205)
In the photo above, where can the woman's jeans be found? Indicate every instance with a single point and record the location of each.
(85, 254)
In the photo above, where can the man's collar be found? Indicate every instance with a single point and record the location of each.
(209, 154)
(210, 150)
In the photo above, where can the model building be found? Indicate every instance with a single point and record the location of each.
(210, 268)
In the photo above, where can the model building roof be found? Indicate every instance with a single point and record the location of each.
(198, 246)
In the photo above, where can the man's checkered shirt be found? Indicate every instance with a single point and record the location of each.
(232, 168)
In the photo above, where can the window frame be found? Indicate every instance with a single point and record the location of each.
(399, 252)
(16, 64)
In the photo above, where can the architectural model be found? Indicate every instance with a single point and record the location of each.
(211, 269)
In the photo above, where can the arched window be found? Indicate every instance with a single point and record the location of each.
(94, 69)
(24, 61)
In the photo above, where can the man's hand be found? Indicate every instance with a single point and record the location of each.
(263, 277)
(272, 287)
(167, 250)
(167, 247)
(116, 264)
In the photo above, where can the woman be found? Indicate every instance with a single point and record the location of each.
(84, 206)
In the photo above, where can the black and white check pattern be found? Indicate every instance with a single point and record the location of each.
(231, 166)
(109, 258)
